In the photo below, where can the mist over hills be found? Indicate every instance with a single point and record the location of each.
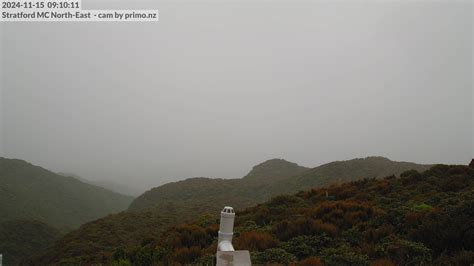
(30, 192)
(109, 185)
(159, 208)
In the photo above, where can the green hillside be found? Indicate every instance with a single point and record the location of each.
(164, 206)
(32, 193)
(22, 238)
(417, 219)
(205, 193)
(343, 171)
(108, 184)
(265, 180)
(274, 170)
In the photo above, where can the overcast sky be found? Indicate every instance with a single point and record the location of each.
(216, 87)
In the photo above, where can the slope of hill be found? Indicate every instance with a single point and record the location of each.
(109, 185)
(274, 169)
(33, 193)
(119, 188)
(166, 205)
(417, 219)
(265, 180)
(22, 238)
(205, 194)
(343, 171)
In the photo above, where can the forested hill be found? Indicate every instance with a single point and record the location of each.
(417, 219)
(187, 200)
(108, 184)
(265, 180)
(30, 192)
(274, 170)
(205, 194)
(22, 238)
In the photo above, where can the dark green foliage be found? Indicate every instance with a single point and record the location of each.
(121, 262)
(22, 238)
(139, 255)
(406, 252)
(97, 241)
(343, 255)
(273, 255)
(306, 246)
(206, 260)
(33, 193)
(462, 257)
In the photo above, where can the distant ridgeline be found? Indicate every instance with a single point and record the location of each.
(37, 206)
(208, 194)
(158, 209)
(273, 177)
(34, 193)
(422, 218)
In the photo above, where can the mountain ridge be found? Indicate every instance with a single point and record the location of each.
(34, 193)
(274, 168)
(107, 184)
(174, 203)
(419, 218)
(272, 177)
(406, 220)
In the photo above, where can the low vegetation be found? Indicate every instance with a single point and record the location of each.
(38, 206)
(158, 209)
(21, 238)
(419, 218)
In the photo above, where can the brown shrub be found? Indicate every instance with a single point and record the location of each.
(382, 262)
(256, 241)
(186, 255)
(311, 261)
(303, 226)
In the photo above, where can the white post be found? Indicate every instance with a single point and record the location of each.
(226, 230)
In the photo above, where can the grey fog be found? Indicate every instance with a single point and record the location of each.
(216, 87)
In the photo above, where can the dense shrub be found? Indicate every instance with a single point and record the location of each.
(407, 252)
(382, 262)
(311, 261)
(343, 255)
(273, 255)
(191, 235)
(305, 246)
(186, 255)
(463, 257)
(303, 226)
(417, 219)
(256, 241)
